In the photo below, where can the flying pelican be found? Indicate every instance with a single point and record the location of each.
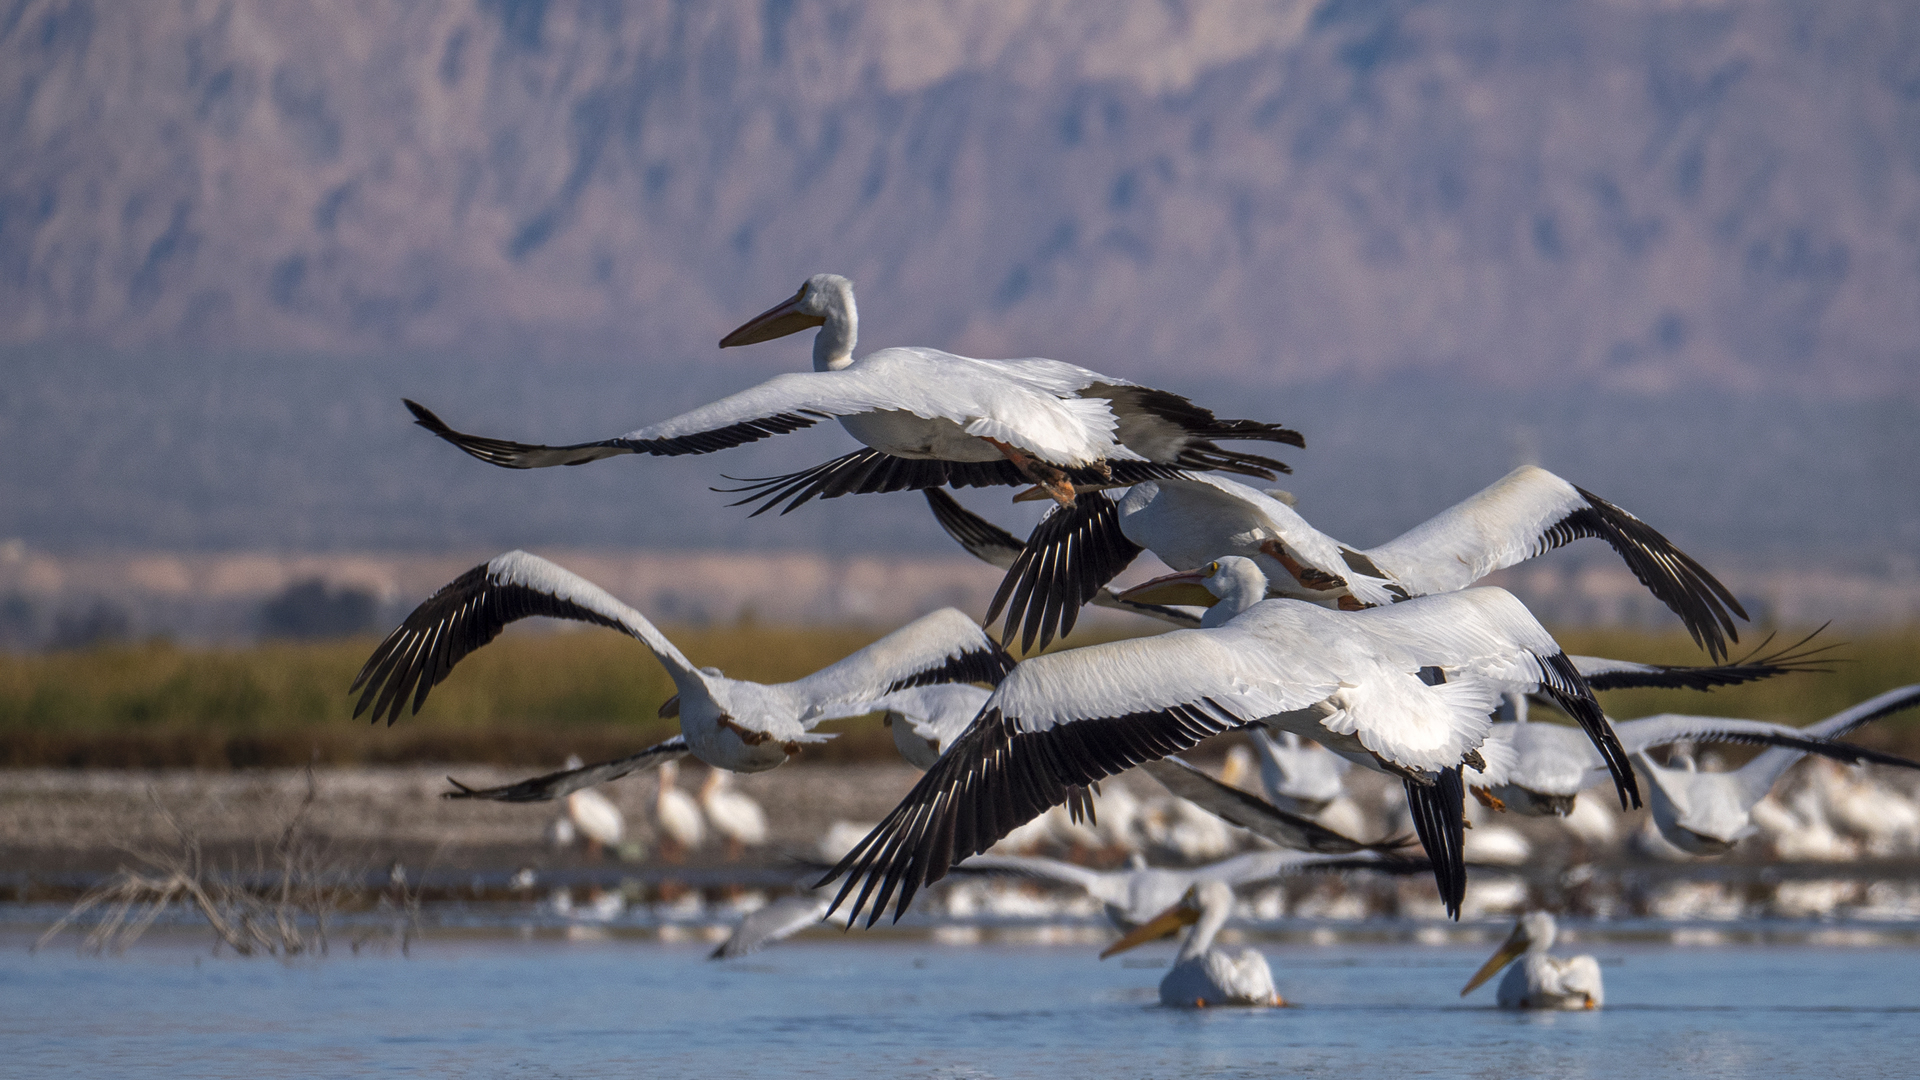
(1554, 763)
(1405, 689)
(1540, 981)
(935, 418)
(677, 816)
(1258, 816)
(1707, 813)
(732, 814)
(727, 723)
(1188, 522)
(1298, 774)
(1203, 976)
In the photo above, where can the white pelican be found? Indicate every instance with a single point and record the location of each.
(594, 816)
(1405, 689)
(732, 814)
(1707, 813)
(1540, 981)
(774, 922)
(935, 418)
(727, 723)
(677, 816)
(1203, 976)
(925, 720)
(1553, 763)
(1188, 522)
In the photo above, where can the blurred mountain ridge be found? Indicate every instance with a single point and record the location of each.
(1640, 196)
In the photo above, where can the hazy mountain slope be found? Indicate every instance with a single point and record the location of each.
(1645, 194)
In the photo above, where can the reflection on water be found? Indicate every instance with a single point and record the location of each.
(501, 1006)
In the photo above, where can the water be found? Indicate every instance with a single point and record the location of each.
(503, 1006)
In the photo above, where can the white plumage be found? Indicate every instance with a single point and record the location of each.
(677, 815)
(733, 814)
(728, 723)
(1540, 981)
(1203, 976)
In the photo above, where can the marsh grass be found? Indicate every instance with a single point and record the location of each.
(537, 694)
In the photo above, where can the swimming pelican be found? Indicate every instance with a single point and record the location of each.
(727, 723)
(1540, 981)
(732, 814)
(1188, 522)
(677, 816)
(1554, 763)
(1203, 976)
(935, 418)
(1707, 813)
(1405, 689)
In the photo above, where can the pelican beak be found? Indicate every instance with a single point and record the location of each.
(670, 707)
(775, 322)
(1165, 924)
(1186, 589)
(1516, 944)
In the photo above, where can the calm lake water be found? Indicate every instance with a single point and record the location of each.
(504, 1006)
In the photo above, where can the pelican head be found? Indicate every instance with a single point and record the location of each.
(1237, 581)
(824, 300)
(1533, 933)
(1184, 913)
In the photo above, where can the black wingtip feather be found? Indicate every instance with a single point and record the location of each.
(1562, 682)
(1439, 817)
(1068, 559)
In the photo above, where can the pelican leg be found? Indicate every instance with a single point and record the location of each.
(1047, 477)
(1488, 799)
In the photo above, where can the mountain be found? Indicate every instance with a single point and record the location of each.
(1643, 194)
(1671, 250)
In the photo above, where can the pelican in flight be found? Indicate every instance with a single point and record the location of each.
(1405, 689)
(727, 723)
(1540, 981)
(929, 417)
(1553, 763)
(1188, 522)
(1203, 976)
(1707, 813)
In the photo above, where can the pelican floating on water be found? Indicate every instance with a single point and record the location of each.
(930, 417)
(1405, 689)
(1540, 981)
(1204, 976)
(1188, 522)
(727, 723)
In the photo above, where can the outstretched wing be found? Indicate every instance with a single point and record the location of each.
(1604, 674)
(1070, 557)
(558, 785)
(943, 647)
(868, 471)
(1167, 428)
(1257, 815)
(516, 455)
(1066, 720)
(472, 610)
(1531, 511)
(775, 922)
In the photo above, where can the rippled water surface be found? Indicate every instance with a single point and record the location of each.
(500, 1006)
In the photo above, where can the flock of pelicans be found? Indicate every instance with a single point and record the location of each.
(1388, 656)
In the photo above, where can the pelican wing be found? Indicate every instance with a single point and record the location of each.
(1172, 430)
(1652, 731)
(1531, 511)
(1487, 633)
(517, 455)
(1063, 721)
(1763, 771)
(943, 647)
(473, 609)
(1072, 554)
(996, 546)
(939, 713)
(561, 784)
(1099, 884)
(1604, 674)
(775, 922)
(1255, 814)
